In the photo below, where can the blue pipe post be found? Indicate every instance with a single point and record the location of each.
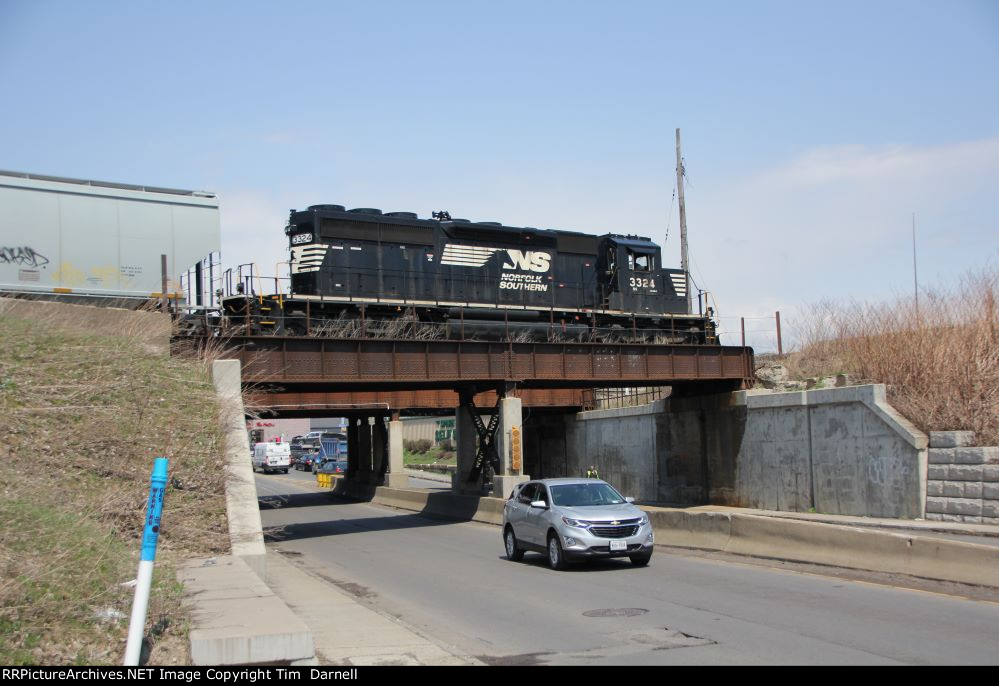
(150, 536)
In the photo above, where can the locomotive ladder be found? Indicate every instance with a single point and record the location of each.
(486, 453)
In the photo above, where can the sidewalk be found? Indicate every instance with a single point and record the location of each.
(428, 476)
(344, 630)
(981, 534)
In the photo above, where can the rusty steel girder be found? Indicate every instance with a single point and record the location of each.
(293, 401)
(359, 364)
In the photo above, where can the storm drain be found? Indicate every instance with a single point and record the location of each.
(616, 612)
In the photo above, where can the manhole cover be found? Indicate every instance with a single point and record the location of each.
(616, 612)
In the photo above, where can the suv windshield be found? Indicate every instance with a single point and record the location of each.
(582, 495)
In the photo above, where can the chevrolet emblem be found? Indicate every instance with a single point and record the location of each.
(615, 523)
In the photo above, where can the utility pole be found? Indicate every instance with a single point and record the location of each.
(684, 265)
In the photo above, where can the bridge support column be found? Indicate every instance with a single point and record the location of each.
(396, 477)
(465, 437)
(510, 447)
(364, 449)
(379, 443)
(353, 450)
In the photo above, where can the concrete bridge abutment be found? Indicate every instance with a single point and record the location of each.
(510, 447)
(395, 477)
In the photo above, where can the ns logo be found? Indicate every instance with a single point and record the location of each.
(528, 261)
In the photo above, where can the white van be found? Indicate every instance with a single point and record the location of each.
(272, 457)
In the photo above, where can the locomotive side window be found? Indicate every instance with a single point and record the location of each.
(640, 263)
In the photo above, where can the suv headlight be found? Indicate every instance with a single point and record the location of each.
(645, 520)
(578, 523)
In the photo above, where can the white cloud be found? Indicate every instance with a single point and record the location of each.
(886, 165)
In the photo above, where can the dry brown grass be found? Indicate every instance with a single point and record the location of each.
(405, 326)
(82, 416)
(940, 362)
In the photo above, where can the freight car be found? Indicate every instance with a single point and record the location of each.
(368, 273)
(96, 242)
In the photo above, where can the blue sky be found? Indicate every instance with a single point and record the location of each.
(811, 130)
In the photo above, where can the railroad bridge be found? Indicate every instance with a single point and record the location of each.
(372, 381)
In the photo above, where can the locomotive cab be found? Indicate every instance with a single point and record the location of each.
(633, 280)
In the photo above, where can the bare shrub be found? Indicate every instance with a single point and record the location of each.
(940, 361)
(341, 327)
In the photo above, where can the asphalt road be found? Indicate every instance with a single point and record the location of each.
(451, 581)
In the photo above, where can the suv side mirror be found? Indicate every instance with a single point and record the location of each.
(539, 503)
(629, 500)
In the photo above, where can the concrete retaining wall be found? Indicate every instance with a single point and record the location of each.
(246, 535)
(622, 443)
(837, 451)
(963, 480)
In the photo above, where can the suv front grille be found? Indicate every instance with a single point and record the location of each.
(622, 530)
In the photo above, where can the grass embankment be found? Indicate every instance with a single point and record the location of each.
(82, 417)
(425, 451)
(940, 361)
(433, 456)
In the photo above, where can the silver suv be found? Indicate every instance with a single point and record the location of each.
(575, 519)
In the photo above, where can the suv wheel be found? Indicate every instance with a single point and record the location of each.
(513, 551)
(556, 558)
(640, 560)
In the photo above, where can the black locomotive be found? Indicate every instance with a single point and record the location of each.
(368, 273)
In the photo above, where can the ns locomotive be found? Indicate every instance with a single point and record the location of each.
(364, 272)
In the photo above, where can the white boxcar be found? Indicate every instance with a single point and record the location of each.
(91, 238)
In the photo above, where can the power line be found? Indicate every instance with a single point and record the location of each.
(669, 216)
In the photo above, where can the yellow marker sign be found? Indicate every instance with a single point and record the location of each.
(515, 448)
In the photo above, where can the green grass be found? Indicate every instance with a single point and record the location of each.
(70, 568)
(82, 417)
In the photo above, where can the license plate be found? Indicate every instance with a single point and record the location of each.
(618, 545)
